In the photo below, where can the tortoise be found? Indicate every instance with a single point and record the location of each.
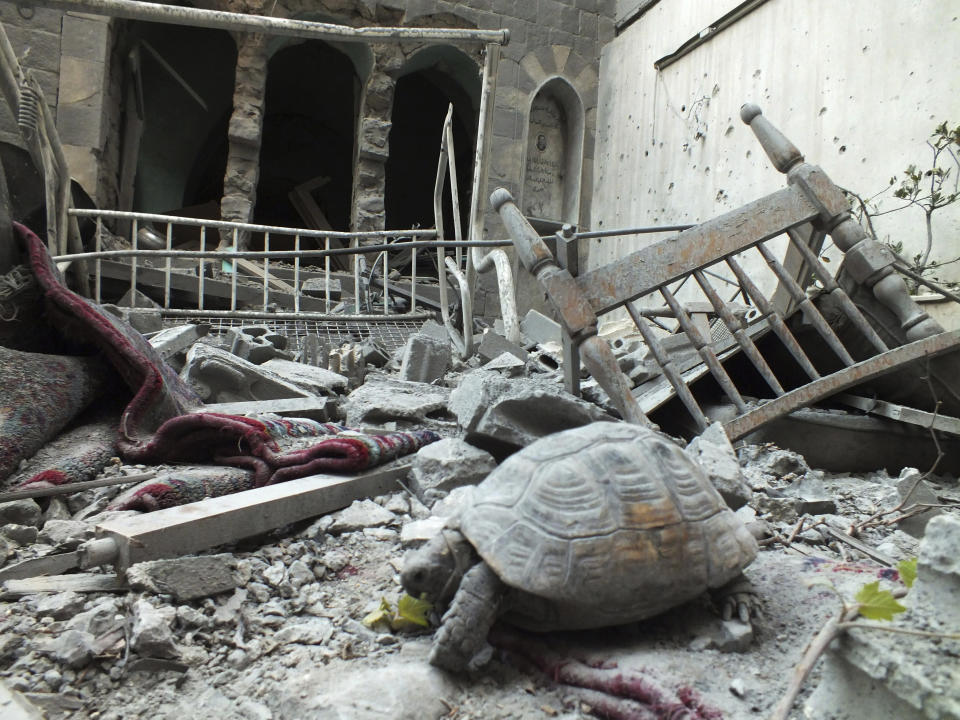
(596, 526)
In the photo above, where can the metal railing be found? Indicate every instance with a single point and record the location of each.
(254, 277)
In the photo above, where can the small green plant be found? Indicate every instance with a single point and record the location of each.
(411, 614)
(927, 189)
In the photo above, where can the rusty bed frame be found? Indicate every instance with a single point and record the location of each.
(808, 209)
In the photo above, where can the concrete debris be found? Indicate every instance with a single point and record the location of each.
(417, 532)
(20, 534)
(175, 340)
(381, 400)
(507, 364)
(712, 449)
(359, 515)
(219, 377)
(938, 571)
(315, 380)
(20, 512)
(493, 345)
(185, 578)
(59, 606)
(502, 414)
(442, 466)
(143, 320)
(425, 359)
(152, 631)
(73, 648)
(538, 328)
(914, 490)
(257, 343)
(65, 534)
(435, 330)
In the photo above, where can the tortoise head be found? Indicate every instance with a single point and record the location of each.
(435, 570)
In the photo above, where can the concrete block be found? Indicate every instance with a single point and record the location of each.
(507, 364)
(446, 464)
(493, 345)
(144, 320)
(374, 354)
(538, 328)
(938, 570)
(185, 578)
(425, 359)
(171, 341)
(85, 37)
(435, 330)
(218, 376)
(381, 400)
(257, 344)
(714, 453)
(136, 299)
(317, 287)
(501, 414)
(315, 380)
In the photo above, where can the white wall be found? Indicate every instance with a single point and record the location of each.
(857, 85)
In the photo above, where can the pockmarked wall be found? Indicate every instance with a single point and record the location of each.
(858, 86)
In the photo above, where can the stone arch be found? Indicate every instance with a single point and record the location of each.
(426, 84)
(571, 80)
(553, 153)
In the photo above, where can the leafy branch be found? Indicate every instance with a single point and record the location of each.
(927, 189)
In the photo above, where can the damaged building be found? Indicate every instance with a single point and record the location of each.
(498, 359)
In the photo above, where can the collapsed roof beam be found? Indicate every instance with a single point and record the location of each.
(197, 17)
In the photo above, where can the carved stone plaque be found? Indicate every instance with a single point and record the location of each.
(543, 182)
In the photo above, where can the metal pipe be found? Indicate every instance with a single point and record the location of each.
(257, 314)
(496, 259)
(240, 22)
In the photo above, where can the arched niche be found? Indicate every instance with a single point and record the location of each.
(428, 83)
(177, 99)
(553, 158)
(311, 106)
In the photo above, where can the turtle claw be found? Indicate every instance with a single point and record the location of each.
(738, 599)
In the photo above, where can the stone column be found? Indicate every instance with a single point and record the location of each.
(373, 140)
(244, 134)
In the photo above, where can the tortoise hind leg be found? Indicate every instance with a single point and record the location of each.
(463, 629)
(737, 598)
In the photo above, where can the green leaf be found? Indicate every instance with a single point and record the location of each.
(412, 610)
(877, 604)
(908, 571)
(382, 615)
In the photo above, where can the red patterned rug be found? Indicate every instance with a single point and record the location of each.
(164, 421)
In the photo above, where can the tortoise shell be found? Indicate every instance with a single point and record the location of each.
(609, 518)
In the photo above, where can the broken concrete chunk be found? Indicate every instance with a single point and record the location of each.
(311, 631)
(419, 531)
(218, 377)
(134, 298)
(65, 534)
(315, 380)
(20, 534)
(359, 515)
(435, 330)
(73, 648)
(382, 399)
(257, 343)
(446, 464)
(185, 578)
(538, 328)
(914, 491)
(99, 619)
(20, 512)
(59, 606)
(152, 634)
(493, 345)
(373, 353)
(502, 414)
(173, 340)
(320, 287)
(733, 636)
(713, 451)
(425, 359)
(507, 364)
(938, 571)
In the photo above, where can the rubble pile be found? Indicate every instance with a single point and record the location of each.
(272, 626)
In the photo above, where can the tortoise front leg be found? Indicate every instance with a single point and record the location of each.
(463, 629)
(737, 598)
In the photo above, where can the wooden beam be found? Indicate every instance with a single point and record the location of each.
(197, 526)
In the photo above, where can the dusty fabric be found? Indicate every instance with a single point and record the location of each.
(164, 422)
(39, 395)
(77, 454)
(342, 453)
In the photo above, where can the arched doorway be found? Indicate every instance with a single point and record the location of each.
(432, 80)
(178, 95)
(309, 127)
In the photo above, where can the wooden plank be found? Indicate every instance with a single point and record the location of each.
(197, 526)
(316, 408)
(254, 269)
(47, 565)
(70, 488)
(860, 372)
(81, 582)
(640, 272)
